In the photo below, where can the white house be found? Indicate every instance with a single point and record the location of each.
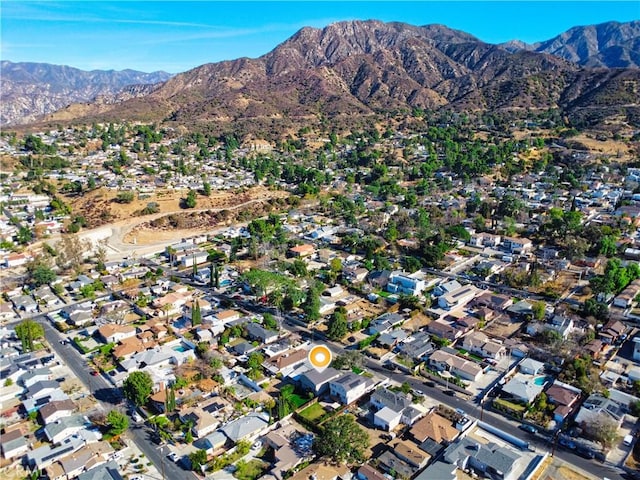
(349, 387)
(387, 418)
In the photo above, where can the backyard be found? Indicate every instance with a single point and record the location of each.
(313, 412)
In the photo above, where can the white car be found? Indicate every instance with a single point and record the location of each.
(173, 456)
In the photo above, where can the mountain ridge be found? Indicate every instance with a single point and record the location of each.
(31, 89)
(364, 67)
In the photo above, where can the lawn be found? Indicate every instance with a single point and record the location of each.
(297, 400)
(312, 412)
(249, 470)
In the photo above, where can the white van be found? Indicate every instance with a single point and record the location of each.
(628, 440)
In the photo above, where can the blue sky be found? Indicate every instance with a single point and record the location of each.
(177, 36)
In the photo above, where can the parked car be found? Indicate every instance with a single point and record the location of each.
(451, 393)
(585, 453)
(93, 373)
(173, 456)
(528, 428)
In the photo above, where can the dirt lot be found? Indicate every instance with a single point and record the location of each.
(99, 206)
(502, 326)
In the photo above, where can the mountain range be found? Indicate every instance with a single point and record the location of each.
(32, 89)
(355, 68)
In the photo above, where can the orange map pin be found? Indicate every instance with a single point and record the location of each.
(319, 357)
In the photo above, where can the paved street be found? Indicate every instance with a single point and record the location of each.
(110, 397)
(105, 393)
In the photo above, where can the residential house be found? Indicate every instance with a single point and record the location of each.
(594, 348)
(355, 274)
(114, 333)
(417, 347)
(33, 376)
(481, 344)
(494, 301)
(596, 405)
(446, 287)
(487, 459)
(409, 452)
(521, 309)
(636, 348)
(226, 316)
(392, 338)
(245, 428)
(108, 471)
(385, 323)
(212, 442)
(13, 444)
(439, 470)
(565, 397)
(411, 415)
(290, 448)
(367, 472)
(387, 418)
(402, 283)
(322, 471)
(612, 331)
(318, 381)
(383, 397)
(302, 251)
(25, 303)
(65, 427)
(349, 387)
(196, 257)
(458, 298)
(83, 460)
(517, 245)
(392, 464)
(443, 329)
(55, 410)
(625, 298)
(529, 366)
(522, 389)
(203, 422)
(435, 427)
(257, 332)
(285, 362)
(465, 369)
(41, 457)
(128, 347)
(483, 239)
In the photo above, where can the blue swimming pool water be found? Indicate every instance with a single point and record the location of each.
(180, 348)
(540, 380)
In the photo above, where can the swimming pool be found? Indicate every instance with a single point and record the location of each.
(180, 348)
(542, 380)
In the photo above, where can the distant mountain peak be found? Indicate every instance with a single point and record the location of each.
(31, 89)
(364, 67)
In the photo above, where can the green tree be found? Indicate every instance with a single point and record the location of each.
(255, 364)
(196, 314)
(24, 235)
(40, 273)
(539, 309)
(138, 387)
(117, 422)
(206, 188)
(337, 325)
(190, 201)
(311, 305)
(27, 332)
(269, 321)
(198, 458)
(125, 197)
(342, 440)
